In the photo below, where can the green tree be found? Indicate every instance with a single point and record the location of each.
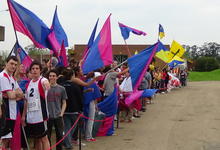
(206, 64)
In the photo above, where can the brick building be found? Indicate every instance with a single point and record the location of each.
(120, 52)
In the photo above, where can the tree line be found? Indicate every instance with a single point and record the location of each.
(205, 57)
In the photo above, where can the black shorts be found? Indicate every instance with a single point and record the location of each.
(7, 127)
(37, 130)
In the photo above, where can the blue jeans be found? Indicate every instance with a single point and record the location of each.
(69, 120)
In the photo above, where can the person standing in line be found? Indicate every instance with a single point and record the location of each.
(74, 104)
(91, 94)
(56, 99)
(35, 109)
(10, 94)
(126, 89)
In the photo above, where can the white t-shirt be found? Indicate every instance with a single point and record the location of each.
(126, 85)
(8, 83)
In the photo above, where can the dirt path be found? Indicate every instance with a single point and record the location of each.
(184, 119)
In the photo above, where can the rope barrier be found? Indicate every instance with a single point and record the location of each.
(75, 123)
(80, 115)
(92, 119)
(77, 120)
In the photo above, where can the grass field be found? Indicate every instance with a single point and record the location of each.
(205, 76)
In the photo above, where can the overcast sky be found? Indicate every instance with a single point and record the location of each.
(186, 21)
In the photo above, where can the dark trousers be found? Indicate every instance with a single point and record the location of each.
(59, 129)
(69, 120)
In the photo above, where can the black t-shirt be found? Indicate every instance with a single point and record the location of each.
(75, 97)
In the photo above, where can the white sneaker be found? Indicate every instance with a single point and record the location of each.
(77, 143)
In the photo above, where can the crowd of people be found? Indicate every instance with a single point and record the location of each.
(48, 96)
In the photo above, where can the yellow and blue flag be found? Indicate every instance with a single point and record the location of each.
(162, 52)
(175, 62)
(161, 31)
(176, 50)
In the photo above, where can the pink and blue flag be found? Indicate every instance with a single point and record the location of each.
(16, 139)
(125, 31)
(29, 24)
(91, 40)
(109, 106)
(24, 58)
(57, 35)
(100, 53)
(137, 94)
(63, 61)
(138, 65)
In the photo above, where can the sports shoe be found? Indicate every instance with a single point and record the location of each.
(77, 142)
(91, 140)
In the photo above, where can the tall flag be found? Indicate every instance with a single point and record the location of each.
(29, 24)
(100, 54)
(161, 31)
(125, 31)
(176, 50)
(63, 61)
(57, 35)
(138, 64)
(24, 58)
(109, 106)
(90, 42)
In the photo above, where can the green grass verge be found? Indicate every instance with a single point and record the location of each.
(205, 76)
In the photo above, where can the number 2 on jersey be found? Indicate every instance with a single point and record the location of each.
(31, 92)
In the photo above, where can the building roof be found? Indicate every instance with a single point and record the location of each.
(118, 49)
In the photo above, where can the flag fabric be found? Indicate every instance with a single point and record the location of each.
(24, 58)
(149, 92)
(100, 54)
(57, 35)
(109, 107)
(63, 61)
(125, 31)
(90, 42)
(162, 52)
(163, 55)
(175, 62)
(176, 50)
(29, 24)
(161, 46)
(137, 94)
(16, 139)
(161, 31)
(90, 96)
(107, 127)
(138, 64)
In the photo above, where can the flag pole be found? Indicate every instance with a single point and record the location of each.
(25, 137)
(126, 45)
(117, 66)
(16, 36)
